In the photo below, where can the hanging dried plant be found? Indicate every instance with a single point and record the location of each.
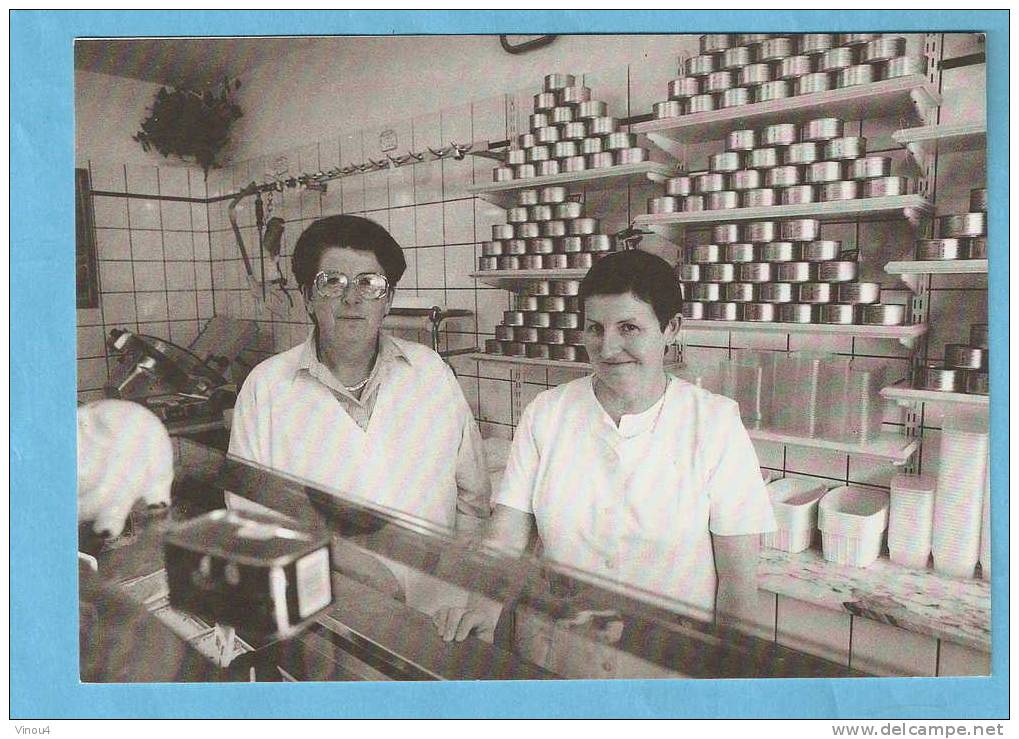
(191, 125)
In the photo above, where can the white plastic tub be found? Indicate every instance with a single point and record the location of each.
(794, 501)
(852, 521)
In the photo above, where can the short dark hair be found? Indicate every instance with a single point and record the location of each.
(348, 232)
(648, 277)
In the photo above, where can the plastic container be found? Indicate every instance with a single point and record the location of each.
(911, 520)
(852, 392)
(852, 521)
(749, 379)
(794, 501)
(798, 394)
(958, 503)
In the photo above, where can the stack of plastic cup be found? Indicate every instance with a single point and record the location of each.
(910, 520)
(985, 528)
(958, 502)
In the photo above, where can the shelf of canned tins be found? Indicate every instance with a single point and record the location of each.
(901, 95)
(546, 363)
(943, 138)
(912, 271)
(511, 279)
(905, 335)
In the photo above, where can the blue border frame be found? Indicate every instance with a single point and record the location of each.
(42, 578)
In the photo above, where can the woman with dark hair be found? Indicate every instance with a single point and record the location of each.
(631, 475)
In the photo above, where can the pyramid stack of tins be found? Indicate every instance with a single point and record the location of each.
(794, 501)
(852, 521)
(958, 501)
(911, 520)
(779, 271)
(545, 323)
(734, 70)
(569, 132)
(546, 230)
(963, 236)
(963, 369)
(783, 164)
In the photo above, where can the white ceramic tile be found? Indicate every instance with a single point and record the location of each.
(173, 181)
(183, 333)
(769, 454)
(218, 183)
(486, 215)
(196, 183)
(463, 299)
(491, 304)
(428, 182)
(119, 309)
(329, 154)
(458, 222)
(871, 470)
(457, 340)
(457, 177)
(182, 305)
(116, 277)
(469, 385)
(178, 245)
(649, 77)
(110, 212)
(90, 317)
(528, 392)
(332, 198)
(142, 179)
(494, 401)
(143, 213)
(107, 176)
(822, 462)
(203, 276)
(764, 340)
(812, 629)
(429, 224)
(456, 125)
(427, 132)
(699, 337)
(92, 374)
(611, 85)
(151, 306)
(376, 190)
(460, 262)
(401, 186)
(159, 329)
(150, 278)
(380, 217)
(401, 227)
(820, 343)
(353, 193)
(147, 246)
(881, 649)
(113, 243)
(180, 276)
(205, 304)
(310, 204)
(431, 268)
(489, 118)
(409, 281)
(955, 659)
(91, 342)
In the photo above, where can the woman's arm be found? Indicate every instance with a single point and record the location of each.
(736, 567)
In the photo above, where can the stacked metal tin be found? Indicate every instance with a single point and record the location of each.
(741, 69)
(779, 271)
(545, 323)
(963, 369)
(545, 230)
(783, 164)
(962, 236)
(569, 132)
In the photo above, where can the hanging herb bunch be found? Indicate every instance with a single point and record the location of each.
(191, 125)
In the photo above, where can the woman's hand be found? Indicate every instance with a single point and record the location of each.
(454, 623)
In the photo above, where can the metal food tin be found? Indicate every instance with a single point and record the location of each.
(668, 109)
(563, 149)
(739, 253)
(904, 66)
(554, 82)
(723, 311)
(537, 213)
(967, 225)
(884, 315)
(799, 194)
(567, 210)
(725, 233)
(746, 179)
(719, 273)
(775, 49)
(700, 104)
(727, 161)
(859, 293)
(814, 293)
(553, 229)
(560, 115)
(488, 263)
(537, 351)
(711, 43)
(759, 312)
(797, 313)
(556, 336)
(763, 158)
(506, 333)
(552, 195)
(541, 246)
(774, 90)
(633, 155)
(516, 156)
(821, 129)
(544, 101)
(538, 287)
(978, 248)
(940, 249)
(837, 313)
(978, 335)
(525, 334)
(816, 43)
(502, 231)
(800, 229)
(700, 66)
(746, 39)
(744, 139)
(759, 198)
(568, 321)
(620, 140)
(583, 260)
(692, 310)
(556, 261)
(779, 134)
(693, 203)
(524, 171)
(491, 249)
(819, 172)
(806, 152)
(547, 134)
(527, 230)
(856, 39)
(573, 164)
(527, 197)
(513, 317)
(545, 169)
(870, 168)
(797, 272)
(705, 291)
(714, 182)
(846, 147)
(860, 74)
(571, 244)
(754, 74)
(574, 95)
(962, 356)
(602, 126)
(881, 187)
(810, 84)
(883, 49)
(840, 271)
(978, 200)
(598, 243)
(820, 251)
(721, 200)
(705, 254)
(688, 272)
(526, 141)
(493, 346)
(600, 160)
(550, 303)
(576, 131)
(760, 232)
(502, 174)
(514, 348)
(737, 56)
(538, 154)
(679, 186)
(978, 383)
(754, 272)
(784, 176)
(835, 60)
(718, 81)
(591, 109)
(537, 319)
(663, 204)
(776, 292)
(795, 66)
(735, 96)
(591, 146)
(567, 353)
(514, 247)
(778, 251)
(525, 302)
(582, 226)
(936, 378)
(740, 292)
(684, 87)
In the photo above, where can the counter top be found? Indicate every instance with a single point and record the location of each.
(922, 601)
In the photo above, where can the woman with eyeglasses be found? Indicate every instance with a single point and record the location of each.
(357, 411)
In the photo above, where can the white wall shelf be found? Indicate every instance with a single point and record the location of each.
(912, 95)
(942, 139)
(896, 448)
(904, 395)
(503, 194)
(510, 279)
(547, 363)
(905, 335)
(912, 271)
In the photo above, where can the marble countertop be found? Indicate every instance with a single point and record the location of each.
(957, 610)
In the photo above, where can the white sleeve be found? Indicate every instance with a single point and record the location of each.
(245, 440)
(518, 481)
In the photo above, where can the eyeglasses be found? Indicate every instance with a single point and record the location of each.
(331, 283)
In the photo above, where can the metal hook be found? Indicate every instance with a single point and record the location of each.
(416, 157)
(438, 154)
(460, 150)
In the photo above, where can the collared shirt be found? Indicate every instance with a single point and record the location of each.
(635, 505)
